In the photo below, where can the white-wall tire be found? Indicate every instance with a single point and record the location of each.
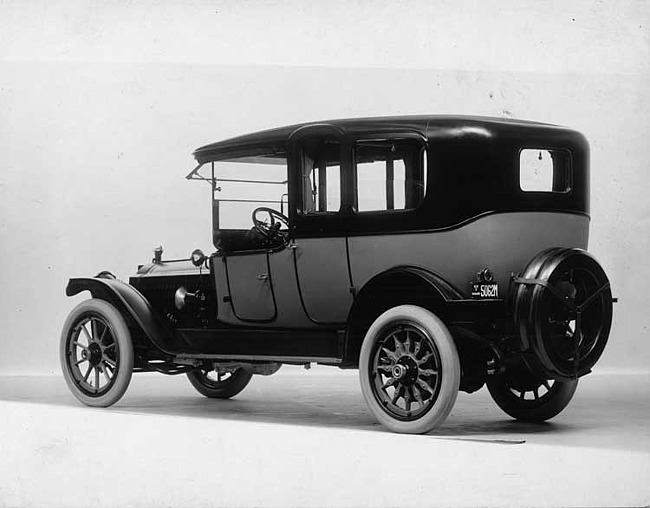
(96, 353)
(410, 349)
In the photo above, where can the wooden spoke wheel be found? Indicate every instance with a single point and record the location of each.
(527, 398)
(96, 353)
(409, 370)
(216, 384)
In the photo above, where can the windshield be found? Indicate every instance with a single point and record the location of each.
(240, 186)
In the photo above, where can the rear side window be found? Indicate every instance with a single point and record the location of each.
(542, 170)
(390, 174)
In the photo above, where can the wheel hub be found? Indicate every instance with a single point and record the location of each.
(405, 370)
(93, 354)
(399, 371)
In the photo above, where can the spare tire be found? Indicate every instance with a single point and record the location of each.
(562, 313)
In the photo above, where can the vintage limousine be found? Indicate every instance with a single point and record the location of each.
(432, 253)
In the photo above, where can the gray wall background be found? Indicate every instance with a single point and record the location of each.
(102, 103)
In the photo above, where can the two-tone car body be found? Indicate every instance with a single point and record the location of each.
(433, 253)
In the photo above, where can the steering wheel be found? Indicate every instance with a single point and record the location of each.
(269, 222)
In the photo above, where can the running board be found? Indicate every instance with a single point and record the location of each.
(297, 346)
(299, 360)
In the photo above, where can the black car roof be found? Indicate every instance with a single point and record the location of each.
(438, 126)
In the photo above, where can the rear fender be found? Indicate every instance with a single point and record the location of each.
(397, 286)
(130, 302)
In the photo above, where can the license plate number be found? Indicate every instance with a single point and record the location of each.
(485, 290)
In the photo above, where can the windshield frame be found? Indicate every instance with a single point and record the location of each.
(214, 180)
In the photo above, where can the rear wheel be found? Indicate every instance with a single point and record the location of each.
(216, 384)
(96, 353)
(530, 399)
(409, 370)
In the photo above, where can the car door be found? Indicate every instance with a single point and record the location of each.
(250, 286)
(318, 212)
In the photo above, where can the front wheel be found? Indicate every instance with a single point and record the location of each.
(96, 353)
(409, 370)
(219, 385)
(527, 398)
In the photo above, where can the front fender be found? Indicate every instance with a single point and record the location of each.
(129, 301)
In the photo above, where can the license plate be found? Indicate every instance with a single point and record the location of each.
(482, 290)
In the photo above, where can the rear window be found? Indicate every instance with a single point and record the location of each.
(543, 170)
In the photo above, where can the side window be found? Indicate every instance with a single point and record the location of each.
(544, 170)
(321, 177)
(390, 174)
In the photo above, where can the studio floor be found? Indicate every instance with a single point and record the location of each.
(305, 438)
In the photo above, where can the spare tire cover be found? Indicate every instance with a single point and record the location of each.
(563, 312)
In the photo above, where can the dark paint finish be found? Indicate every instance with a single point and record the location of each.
(473, 170)
(132, 304)
(324, 345)
(245, 145)
(213, 339)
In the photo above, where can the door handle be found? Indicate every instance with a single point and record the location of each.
(262, 276)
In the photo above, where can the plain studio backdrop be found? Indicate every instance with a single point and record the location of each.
(102, 103)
